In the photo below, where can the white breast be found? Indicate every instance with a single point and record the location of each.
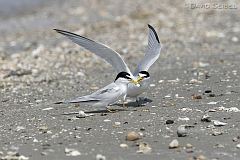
(134, 91)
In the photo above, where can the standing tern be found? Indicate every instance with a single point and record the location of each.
(108, 94)
(112, 57)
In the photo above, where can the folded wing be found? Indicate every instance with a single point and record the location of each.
(101, 50)
(152, 52)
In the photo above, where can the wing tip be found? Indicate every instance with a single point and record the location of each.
(155, 33)
(59, 30)
(60, 102)
(55, 29)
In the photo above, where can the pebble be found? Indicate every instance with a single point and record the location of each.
(183, 119)
(169, 121)
(219, 146)
(18, 128)
(200, 157)
(212, 102)
(174, 144)
(238, 146)
(234, 39)
(152, 85)
(217, 133)
(106, 120)
(181, 131)
(100, 157)
(206, 118)
(231, 109)
(82, 114)
(132, 136)
(196, 96)
(144, 148)
(123, 145)
(188, 145)
(47, 109)
(235, 139)
(117, 123)
(14, 156)
(208, 91)
(72, 152)
(38, 51)
(218, 123)
(192, 81)
(189, 148)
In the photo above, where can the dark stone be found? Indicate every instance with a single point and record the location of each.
(169, 121)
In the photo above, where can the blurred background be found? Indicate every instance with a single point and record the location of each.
(190, 27)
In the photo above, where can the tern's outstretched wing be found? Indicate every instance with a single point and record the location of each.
(152, 52)
(99, 49)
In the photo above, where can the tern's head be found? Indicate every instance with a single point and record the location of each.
(143, 75)
(125, 77)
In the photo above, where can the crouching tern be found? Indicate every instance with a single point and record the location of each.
(113, 58)
(108, 94)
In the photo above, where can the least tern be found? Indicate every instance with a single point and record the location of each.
(108, 94)
(112, 57)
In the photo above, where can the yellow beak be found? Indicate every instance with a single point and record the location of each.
(134, 81)
(139, 79)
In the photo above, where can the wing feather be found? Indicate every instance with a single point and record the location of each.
(101, 50)
(152, 52)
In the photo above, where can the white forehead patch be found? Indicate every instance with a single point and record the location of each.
(141, 75)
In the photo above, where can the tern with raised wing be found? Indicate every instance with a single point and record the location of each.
(113, 58)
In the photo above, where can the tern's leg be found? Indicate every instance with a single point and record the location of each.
(138, 101)
(124, 104)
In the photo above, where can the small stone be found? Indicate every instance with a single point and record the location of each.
(38, 51)
(208, 91)
(218, 123)
(235, 39)
(183, 119)
(188, 145)
(203, 64)
(100, 157)
(200, 157)
(212, 110)
(211, 95)
(117, 123)
(123, 145)
(212, 102)
(217, 133)
(132, 136)
(35, 140)
(82, 114)
(174, 144)
(47, 109)
(152, 85)
(196, 96)
(72, 152)
(238, 146)
(192, 81)
(144, 148)
(18, 128)
(206, 118)
(169, 121)
(181, 131)
(106, 120)
(219, 146)
(235, 139)
(43, 129)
